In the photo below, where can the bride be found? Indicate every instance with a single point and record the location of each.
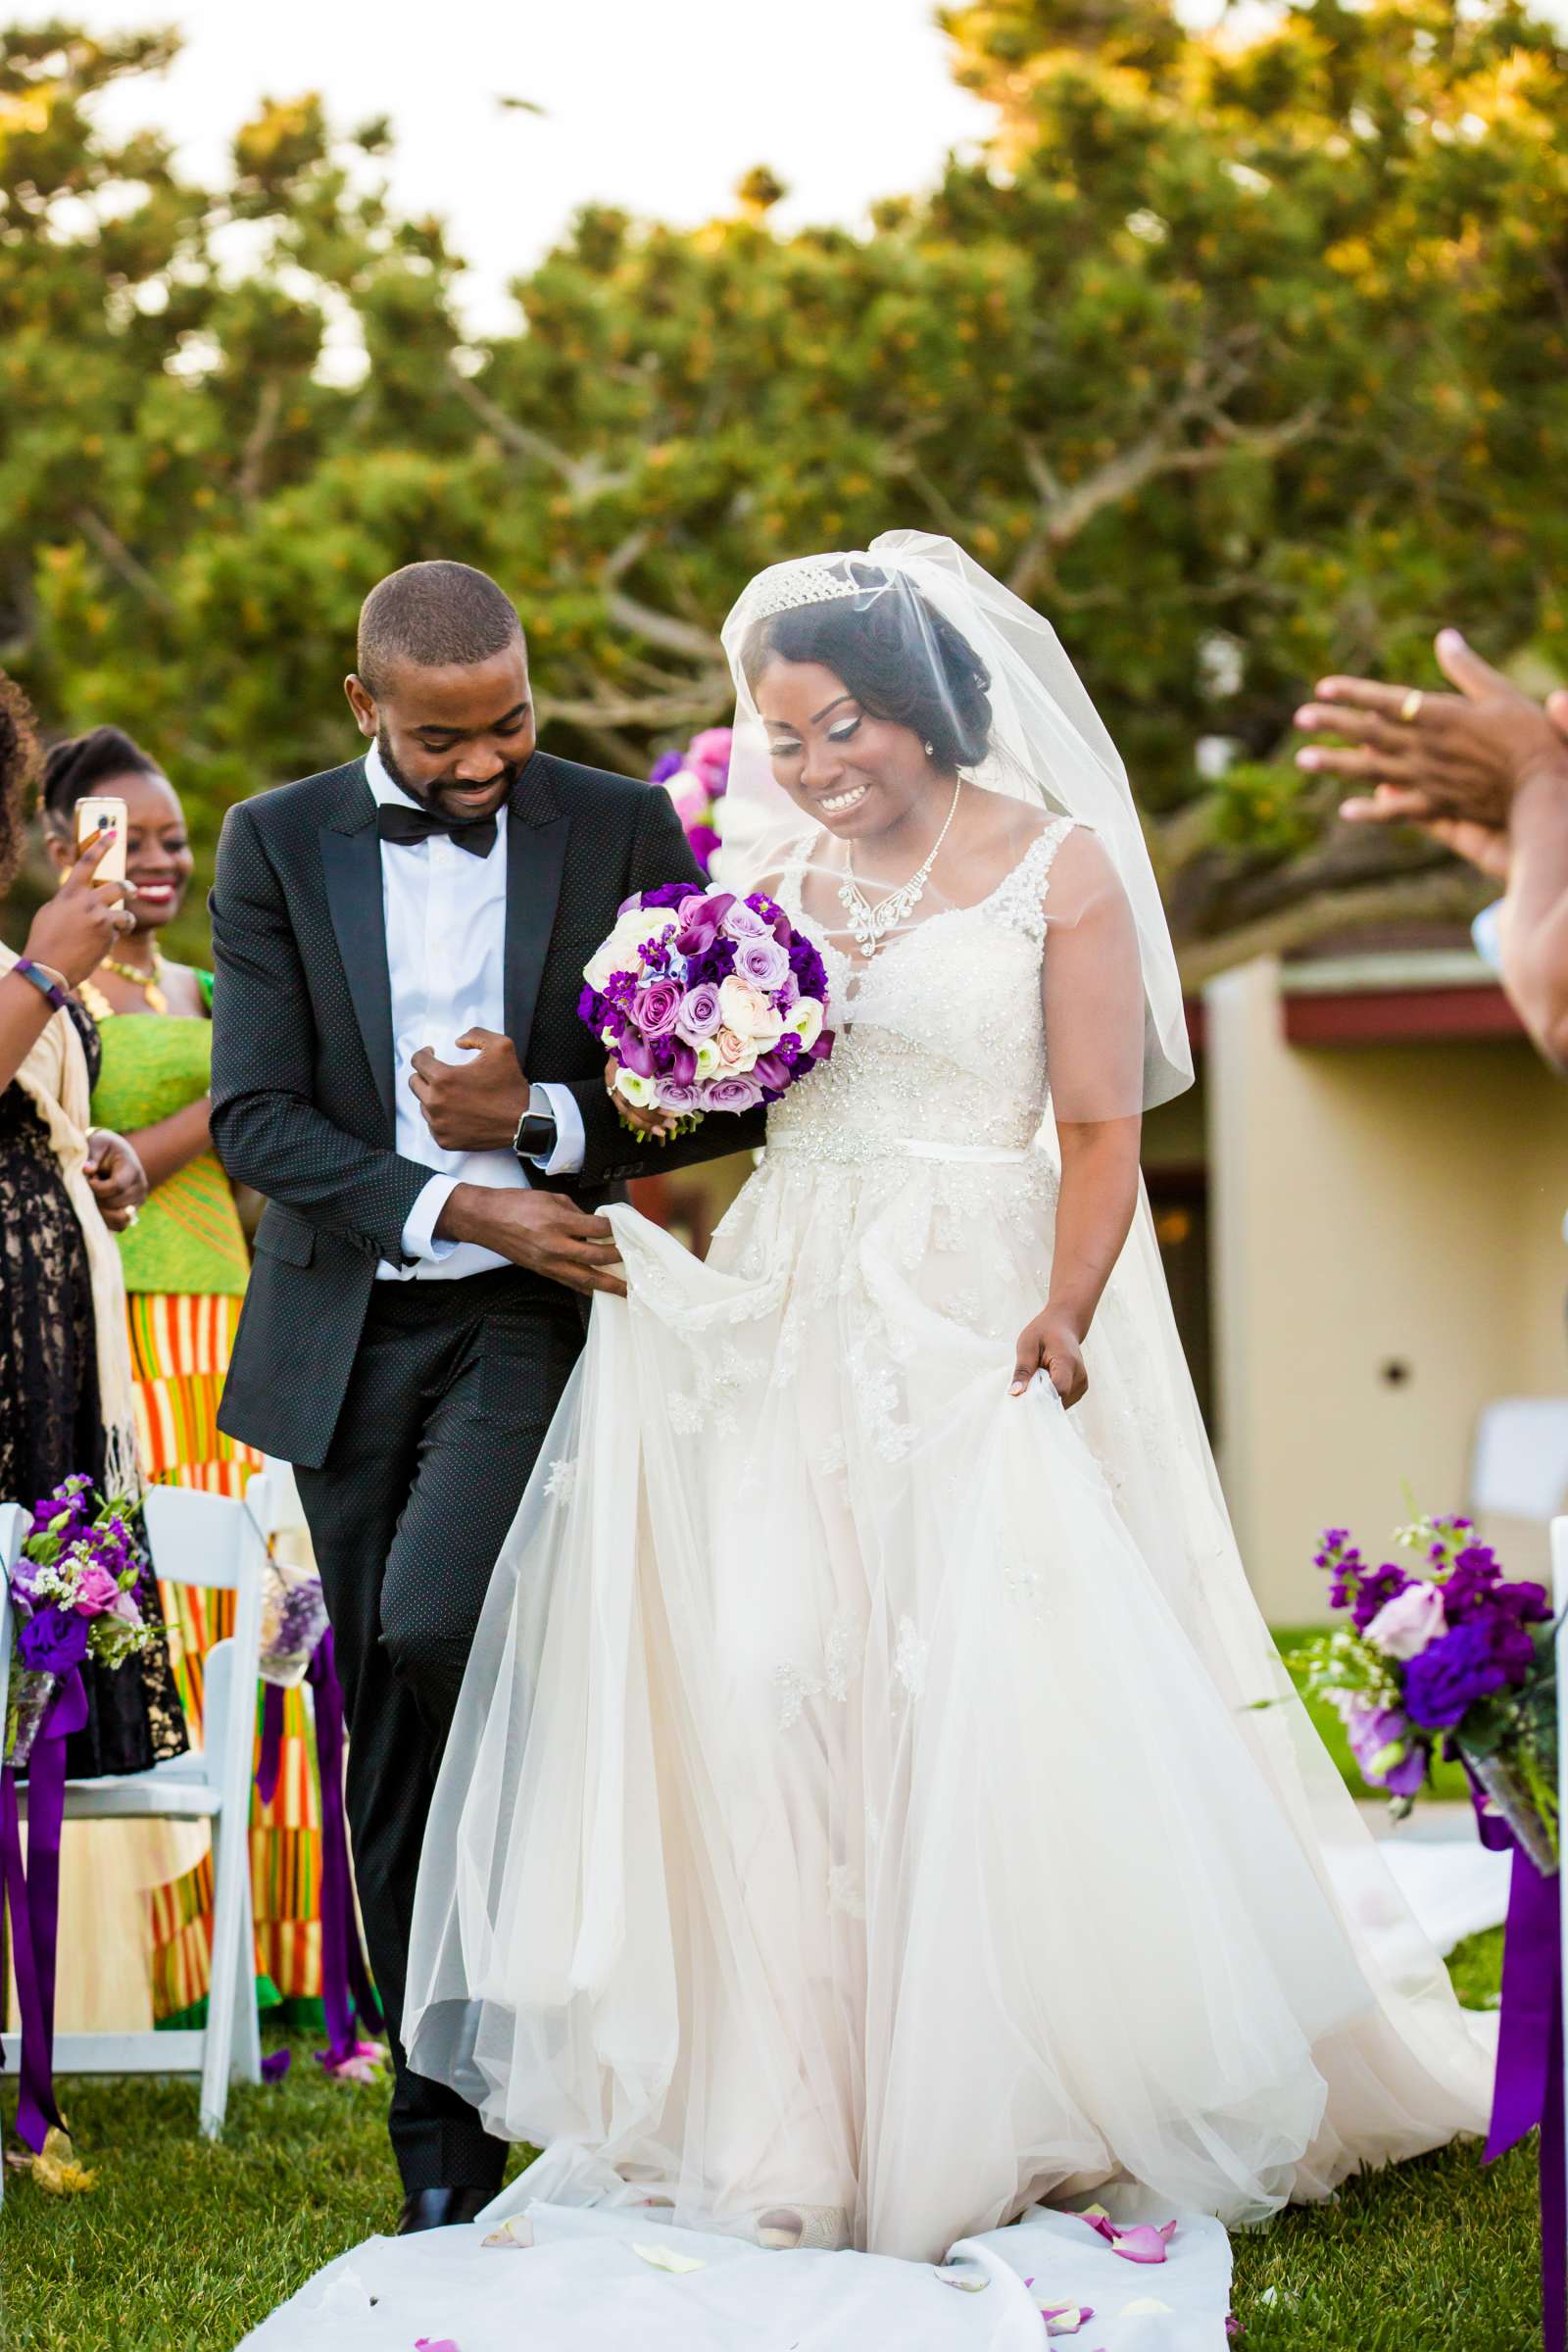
(875, 1804)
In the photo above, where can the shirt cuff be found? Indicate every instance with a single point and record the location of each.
(418, 1231)
(572, 1143)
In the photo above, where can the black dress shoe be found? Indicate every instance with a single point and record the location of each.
(441, 2208)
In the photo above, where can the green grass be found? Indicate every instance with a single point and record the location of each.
(182, 2246)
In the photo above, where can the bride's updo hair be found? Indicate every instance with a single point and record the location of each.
(900, 658)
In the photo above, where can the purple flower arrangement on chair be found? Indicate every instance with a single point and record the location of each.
(695, 780)
(705, 1001)
(74, 1596)
(1448, 1653)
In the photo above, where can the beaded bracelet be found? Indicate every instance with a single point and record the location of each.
(42, 980)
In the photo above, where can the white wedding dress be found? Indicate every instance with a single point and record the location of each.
(861, 1802)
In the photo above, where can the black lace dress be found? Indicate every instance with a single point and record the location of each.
(49, 1418)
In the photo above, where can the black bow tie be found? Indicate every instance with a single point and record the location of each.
(396, 822)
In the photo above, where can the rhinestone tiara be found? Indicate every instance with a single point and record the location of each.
(811, 580)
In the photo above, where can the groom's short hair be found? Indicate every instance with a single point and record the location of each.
(435, 615)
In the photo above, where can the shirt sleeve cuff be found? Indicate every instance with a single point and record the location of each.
(571, 1144)
(418, 1232)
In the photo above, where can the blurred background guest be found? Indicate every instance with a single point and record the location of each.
(1483, 770)
(185, 1267)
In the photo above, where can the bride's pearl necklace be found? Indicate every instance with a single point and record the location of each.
(870, 925)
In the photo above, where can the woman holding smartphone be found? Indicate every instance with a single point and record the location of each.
(185, 1267)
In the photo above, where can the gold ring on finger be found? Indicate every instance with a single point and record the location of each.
(1411, 707)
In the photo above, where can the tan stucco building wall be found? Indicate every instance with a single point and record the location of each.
(1373, 1207)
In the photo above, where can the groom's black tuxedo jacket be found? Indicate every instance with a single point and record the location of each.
(302, 1054)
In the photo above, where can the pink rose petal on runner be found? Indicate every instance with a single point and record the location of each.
(1143, 2242)
(436, 2343)
(1066, 2319)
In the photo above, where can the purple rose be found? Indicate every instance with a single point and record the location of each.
(1385, 1749)
(656, 1007)
(700, 1013)
(735, 1093)
(96, 1592)
(761, 961)
(52, 1641)
(743, 922)
(1448, 1677)
(680, 1095)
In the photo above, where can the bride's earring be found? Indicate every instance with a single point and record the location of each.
(930, 750)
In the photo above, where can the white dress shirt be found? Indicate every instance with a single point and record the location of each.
(446, 921)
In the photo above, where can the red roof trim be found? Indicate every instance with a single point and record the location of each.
(1399, 1016)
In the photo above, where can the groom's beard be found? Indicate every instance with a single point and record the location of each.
(428, 796)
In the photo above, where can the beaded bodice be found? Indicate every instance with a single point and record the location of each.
(940, 1038)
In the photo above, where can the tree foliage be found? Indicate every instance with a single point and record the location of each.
(1243, 360)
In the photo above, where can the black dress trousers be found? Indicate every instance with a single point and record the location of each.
(451, 1394)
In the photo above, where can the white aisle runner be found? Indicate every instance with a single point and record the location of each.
(587, 2284)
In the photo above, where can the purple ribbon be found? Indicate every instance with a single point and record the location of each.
(1529, 2089)
(33, 1895)
(347, 1996)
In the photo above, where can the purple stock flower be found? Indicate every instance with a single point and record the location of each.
(668, 893)
(52, 1641)
(1446, 1678)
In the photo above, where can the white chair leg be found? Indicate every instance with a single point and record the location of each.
(245, 2057)
(230, 1873)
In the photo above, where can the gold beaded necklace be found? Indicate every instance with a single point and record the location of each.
(152, 989)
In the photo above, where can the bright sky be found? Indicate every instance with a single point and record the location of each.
(658, 106)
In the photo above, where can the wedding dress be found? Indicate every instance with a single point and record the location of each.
(876, 1807)
(860, 1799)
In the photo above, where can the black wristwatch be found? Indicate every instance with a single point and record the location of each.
(535, 1139)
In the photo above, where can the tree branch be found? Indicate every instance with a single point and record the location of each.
(117, 555)
(259, 440)
(642, 620)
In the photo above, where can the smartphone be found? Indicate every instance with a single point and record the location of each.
(95, 815)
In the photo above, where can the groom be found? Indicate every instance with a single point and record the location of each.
(397, 942)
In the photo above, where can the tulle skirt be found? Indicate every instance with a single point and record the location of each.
(875, 1792)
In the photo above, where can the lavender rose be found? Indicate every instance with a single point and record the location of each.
(1407, 1623)
(700, 1013)
(52, 1641)
(761, 961)
(736, 1091)
(743, 922)
(680, 1095)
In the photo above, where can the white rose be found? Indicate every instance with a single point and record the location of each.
(619, 952)
(638, 1092)
(805, 1022)
(747, 1012)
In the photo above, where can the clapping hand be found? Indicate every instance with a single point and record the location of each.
(1451, 763)
(472, 1105)
(117, 1176)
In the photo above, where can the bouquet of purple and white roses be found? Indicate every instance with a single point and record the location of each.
(1447, 1653)
(705, 1001)
(73, 1597)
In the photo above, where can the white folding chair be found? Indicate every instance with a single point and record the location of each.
(210, 1540)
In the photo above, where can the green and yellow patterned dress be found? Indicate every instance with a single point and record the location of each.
(186, 1263)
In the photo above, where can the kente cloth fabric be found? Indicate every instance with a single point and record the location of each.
(875, 1795)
